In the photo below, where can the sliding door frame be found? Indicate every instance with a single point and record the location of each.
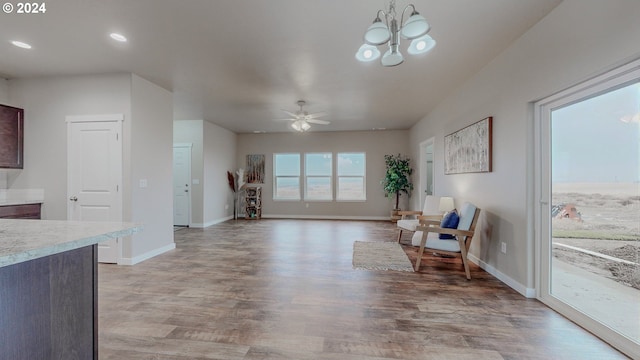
(607, 82)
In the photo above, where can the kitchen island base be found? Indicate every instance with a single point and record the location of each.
(48, 307)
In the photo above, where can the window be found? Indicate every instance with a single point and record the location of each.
(318, 176)
(351, 176)
(319, 180)
(286, 185)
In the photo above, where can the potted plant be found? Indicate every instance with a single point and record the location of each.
(397, 179)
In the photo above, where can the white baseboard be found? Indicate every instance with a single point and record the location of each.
(146, 256)
(210, 223)
(325, 217)
(523, 290)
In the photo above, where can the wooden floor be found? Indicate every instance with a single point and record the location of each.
(286, 289)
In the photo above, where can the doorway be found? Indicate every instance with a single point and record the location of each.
(182, 184)
(588, 188)
(426, 169)
(94, 174)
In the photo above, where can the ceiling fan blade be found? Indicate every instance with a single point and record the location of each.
(285, 119)
(315, 115)
(290, 113)
(321, 122)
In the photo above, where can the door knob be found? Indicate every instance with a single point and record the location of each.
(186, 191)
(73, 198)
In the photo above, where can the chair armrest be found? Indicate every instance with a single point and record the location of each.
(409, 212)
(428, 222)
(430, 217)
(439, 230)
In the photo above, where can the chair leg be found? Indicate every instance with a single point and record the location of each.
(423, 242)
(463, 254)
(399, 235)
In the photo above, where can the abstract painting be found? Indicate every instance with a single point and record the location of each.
(469, 150)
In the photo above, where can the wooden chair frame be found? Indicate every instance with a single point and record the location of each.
(463, 237)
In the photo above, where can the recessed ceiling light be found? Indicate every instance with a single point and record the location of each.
(258, 132)
(118, 37)
(21, 44)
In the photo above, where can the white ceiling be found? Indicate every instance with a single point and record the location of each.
(236, 63)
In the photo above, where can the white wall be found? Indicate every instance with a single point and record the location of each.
(577, 40)
(46, 103)
(192, 131)
(4, 92)
(219, 157)
(375, 144)
(4, 99)
(151, 141)
(147, 147)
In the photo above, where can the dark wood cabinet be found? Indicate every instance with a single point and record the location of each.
(49, 307)
(11, 137)
(26, 211)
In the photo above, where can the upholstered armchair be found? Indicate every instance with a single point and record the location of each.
(434, 208)
(454, 242)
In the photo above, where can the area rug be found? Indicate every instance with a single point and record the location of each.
(380, 256)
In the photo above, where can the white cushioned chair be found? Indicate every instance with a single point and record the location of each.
(411, 219)
(459, 245)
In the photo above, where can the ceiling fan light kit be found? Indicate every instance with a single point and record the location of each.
(415, 28)
(302, 120)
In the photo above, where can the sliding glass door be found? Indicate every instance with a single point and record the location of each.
(588, 189)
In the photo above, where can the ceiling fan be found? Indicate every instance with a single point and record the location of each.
(302, 119)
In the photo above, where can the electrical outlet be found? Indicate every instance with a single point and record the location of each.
(503, 247)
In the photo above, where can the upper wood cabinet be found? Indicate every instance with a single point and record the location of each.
(11, 137)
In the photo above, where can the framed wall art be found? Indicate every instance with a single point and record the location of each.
(255, 169)
(468, 150)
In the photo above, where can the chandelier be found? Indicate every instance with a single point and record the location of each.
(415, 28)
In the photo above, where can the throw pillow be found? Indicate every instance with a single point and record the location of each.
(450, 221)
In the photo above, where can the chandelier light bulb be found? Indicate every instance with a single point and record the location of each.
(367, 53)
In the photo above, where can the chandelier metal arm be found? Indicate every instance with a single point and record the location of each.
(404, 11)
(384, 16)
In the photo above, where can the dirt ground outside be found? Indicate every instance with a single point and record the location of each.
(610, 225)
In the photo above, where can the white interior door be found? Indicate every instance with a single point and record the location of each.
(95, 174)
(181, 184)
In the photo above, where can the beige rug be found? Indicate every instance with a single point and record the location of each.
(380, 256)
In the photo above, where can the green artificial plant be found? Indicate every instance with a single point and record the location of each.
(397, 179)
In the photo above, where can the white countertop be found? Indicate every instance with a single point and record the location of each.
(19, 202)
(10, 197)
(24, 240)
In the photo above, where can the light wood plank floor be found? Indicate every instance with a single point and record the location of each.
(286, 289)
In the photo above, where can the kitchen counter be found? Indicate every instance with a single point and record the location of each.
(23, 240)
(49, 287)
(19, 202)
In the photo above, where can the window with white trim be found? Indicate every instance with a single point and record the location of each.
(351, 171)
(318, 176)
(286, 173)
